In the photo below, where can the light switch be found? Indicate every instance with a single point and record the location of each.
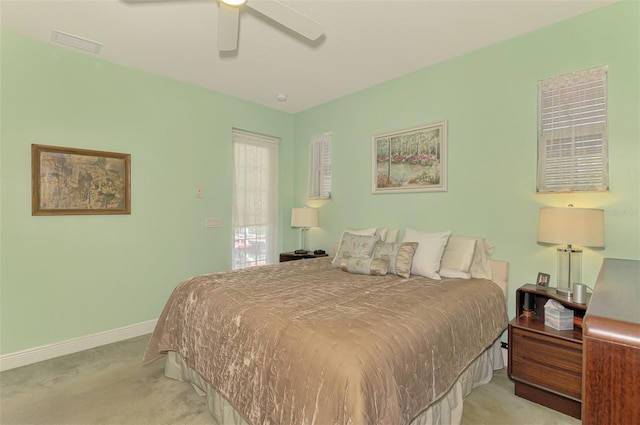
(213, 222)
(199, 192)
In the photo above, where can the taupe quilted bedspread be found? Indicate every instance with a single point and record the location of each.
(303, 343)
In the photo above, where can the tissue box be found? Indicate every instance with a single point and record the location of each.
(558, 319)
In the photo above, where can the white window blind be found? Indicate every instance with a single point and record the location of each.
(255, 199)
(320, 167)
(572, 132)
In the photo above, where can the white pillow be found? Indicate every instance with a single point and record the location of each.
(426, 261)
(453, 273)
(481, 264)
(392, 235)
(457, 257)
(363, 232)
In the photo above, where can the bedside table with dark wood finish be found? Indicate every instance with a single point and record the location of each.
(292, 256)
(545, 363)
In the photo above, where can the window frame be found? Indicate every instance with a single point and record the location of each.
(254, 231)
(573, 133)
(320, 173)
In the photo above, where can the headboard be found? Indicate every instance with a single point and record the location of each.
(500, 274)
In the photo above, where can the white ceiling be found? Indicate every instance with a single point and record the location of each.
(365, 43)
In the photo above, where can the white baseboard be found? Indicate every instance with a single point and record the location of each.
(50, 351)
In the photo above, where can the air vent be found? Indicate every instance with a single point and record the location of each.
(75, 41)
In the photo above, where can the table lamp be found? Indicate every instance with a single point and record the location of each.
(304, 218)
(571, 226)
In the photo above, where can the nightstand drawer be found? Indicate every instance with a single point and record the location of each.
(552, 363)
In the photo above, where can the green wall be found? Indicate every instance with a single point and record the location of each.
(67, 277)
(489, 99)
(63, 277)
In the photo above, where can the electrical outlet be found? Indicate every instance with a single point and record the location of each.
(199, 192)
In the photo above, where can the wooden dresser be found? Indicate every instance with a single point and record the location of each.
(611, 346)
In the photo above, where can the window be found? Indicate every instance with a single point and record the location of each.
(572, 132)
(320, 167)
(255, 197)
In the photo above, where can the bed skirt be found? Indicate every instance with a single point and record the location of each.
(447, 410)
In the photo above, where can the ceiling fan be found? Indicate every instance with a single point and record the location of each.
(229, 15)
(229, 19)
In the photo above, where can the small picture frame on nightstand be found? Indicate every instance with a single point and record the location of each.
(543, 280)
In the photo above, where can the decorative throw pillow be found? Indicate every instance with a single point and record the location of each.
(457, 257)
(426, 261)
(381, 233)
(354, 246)
(398, 255)
(366, 232)
(359, 265)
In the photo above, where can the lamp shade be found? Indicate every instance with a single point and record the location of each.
(571, 226)
(234, 2)
(304, 217)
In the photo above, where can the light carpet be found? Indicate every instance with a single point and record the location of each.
(109, 386)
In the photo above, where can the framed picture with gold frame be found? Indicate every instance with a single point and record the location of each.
(69, 181)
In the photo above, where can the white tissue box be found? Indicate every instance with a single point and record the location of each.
(558, 319)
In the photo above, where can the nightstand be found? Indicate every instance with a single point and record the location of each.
(545, 363)
(292, 256)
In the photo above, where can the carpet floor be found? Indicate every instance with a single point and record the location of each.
(109, 386)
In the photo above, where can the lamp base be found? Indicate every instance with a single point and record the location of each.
(569, 269)
(304, 241)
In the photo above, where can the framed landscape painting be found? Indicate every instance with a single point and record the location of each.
(411, 160)
(68, 181)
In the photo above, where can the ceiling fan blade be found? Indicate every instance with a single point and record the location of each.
(288, 17)
(228, 21)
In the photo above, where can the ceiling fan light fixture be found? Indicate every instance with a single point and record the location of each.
(235, 3)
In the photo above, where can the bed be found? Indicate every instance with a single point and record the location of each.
(309, 342)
